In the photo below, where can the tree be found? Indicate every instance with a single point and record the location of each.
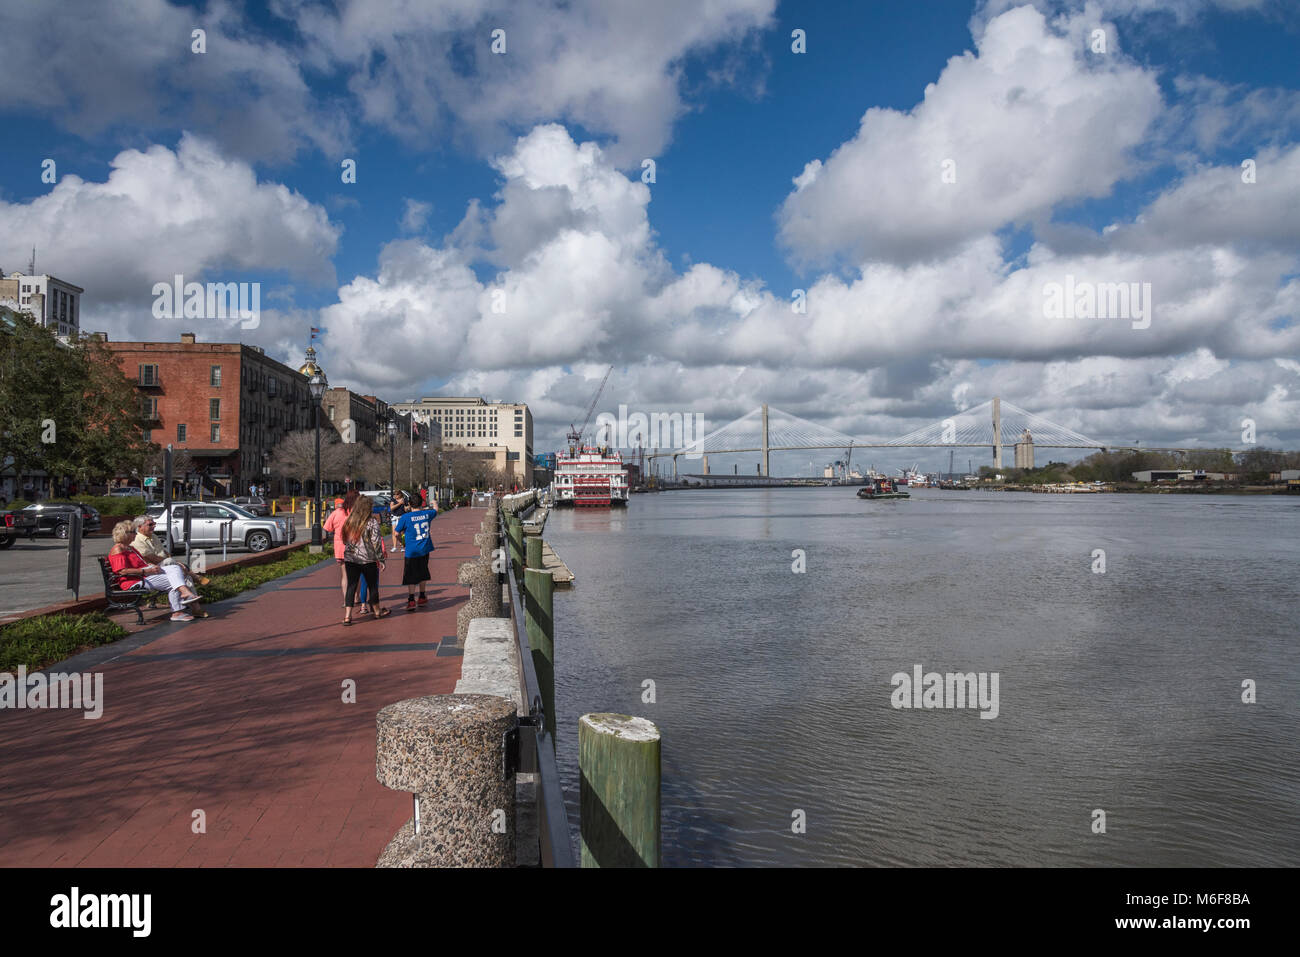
(295, 456)
(1257, 464)
(66, 408)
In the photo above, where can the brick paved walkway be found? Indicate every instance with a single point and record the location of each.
(240, 715)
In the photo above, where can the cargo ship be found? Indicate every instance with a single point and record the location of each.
(589, 476)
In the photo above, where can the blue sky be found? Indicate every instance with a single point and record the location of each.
(1118, 167)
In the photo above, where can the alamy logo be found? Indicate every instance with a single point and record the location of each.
(56, 690)
(658, 430)
(952, 690)
(75, 909)
(214, 300)
(1103, 300)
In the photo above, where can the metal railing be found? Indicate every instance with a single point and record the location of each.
(537, 749)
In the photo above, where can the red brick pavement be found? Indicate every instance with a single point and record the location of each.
(240, 715)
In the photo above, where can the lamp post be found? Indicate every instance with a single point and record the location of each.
(426, 464)
(440, 475)
(392, 451)
(317, 384)
(451, 480)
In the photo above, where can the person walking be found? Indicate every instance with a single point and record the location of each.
(334, 526)
(413, 525)
(363, 555)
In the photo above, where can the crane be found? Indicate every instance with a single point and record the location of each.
(575, 434)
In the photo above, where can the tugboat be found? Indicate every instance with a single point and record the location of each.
(881, 487)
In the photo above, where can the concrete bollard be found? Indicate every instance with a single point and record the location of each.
(618, 760)
(447, 751)
(484, 594)
(487, 544)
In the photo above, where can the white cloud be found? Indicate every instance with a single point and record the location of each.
(580, 282)
(91, 67)
(1029, 121)
(415, 215)
(160, 212)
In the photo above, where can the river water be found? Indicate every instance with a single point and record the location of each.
(1118, 691)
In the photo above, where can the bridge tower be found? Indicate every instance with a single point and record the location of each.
(765, 469)
(997, 433)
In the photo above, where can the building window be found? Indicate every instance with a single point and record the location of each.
(180, 432)
(214, 378)
(216, 433)
(147, 434)
(148, 374)
(331, 413)
(214, 409)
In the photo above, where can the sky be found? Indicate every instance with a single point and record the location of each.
(858, 213)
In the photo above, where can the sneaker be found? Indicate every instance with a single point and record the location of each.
(183, 616)
(422, 600)
(410, 604)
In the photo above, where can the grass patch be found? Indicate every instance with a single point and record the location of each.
(241, 580)
(37, 642)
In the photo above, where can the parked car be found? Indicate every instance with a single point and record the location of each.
(207, 520)
(249, 503)
(127, 491)
(9, 528)
(56, 518)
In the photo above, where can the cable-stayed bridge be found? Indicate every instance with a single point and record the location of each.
(766, 430)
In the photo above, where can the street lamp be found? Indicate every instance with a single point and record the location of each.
(392, 447)
(317, 383)
(426, 464)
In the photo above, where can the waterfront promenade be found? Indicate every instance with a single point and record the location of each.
(241, 716)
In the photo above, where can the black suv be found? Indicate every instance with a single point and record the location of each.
(55, 518)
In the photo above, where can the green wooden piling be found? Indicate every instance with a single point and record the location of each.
(618, 757)
(539, 622)
(533, 551)
(515, 535)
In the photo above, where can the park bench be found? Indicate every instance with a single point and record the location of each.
(120, 599)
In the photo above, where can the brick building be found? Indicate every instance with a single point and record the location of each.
(343, 405)
(225, 403)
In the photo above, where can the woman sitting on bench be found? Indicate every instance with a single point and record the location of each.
(132, 571)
